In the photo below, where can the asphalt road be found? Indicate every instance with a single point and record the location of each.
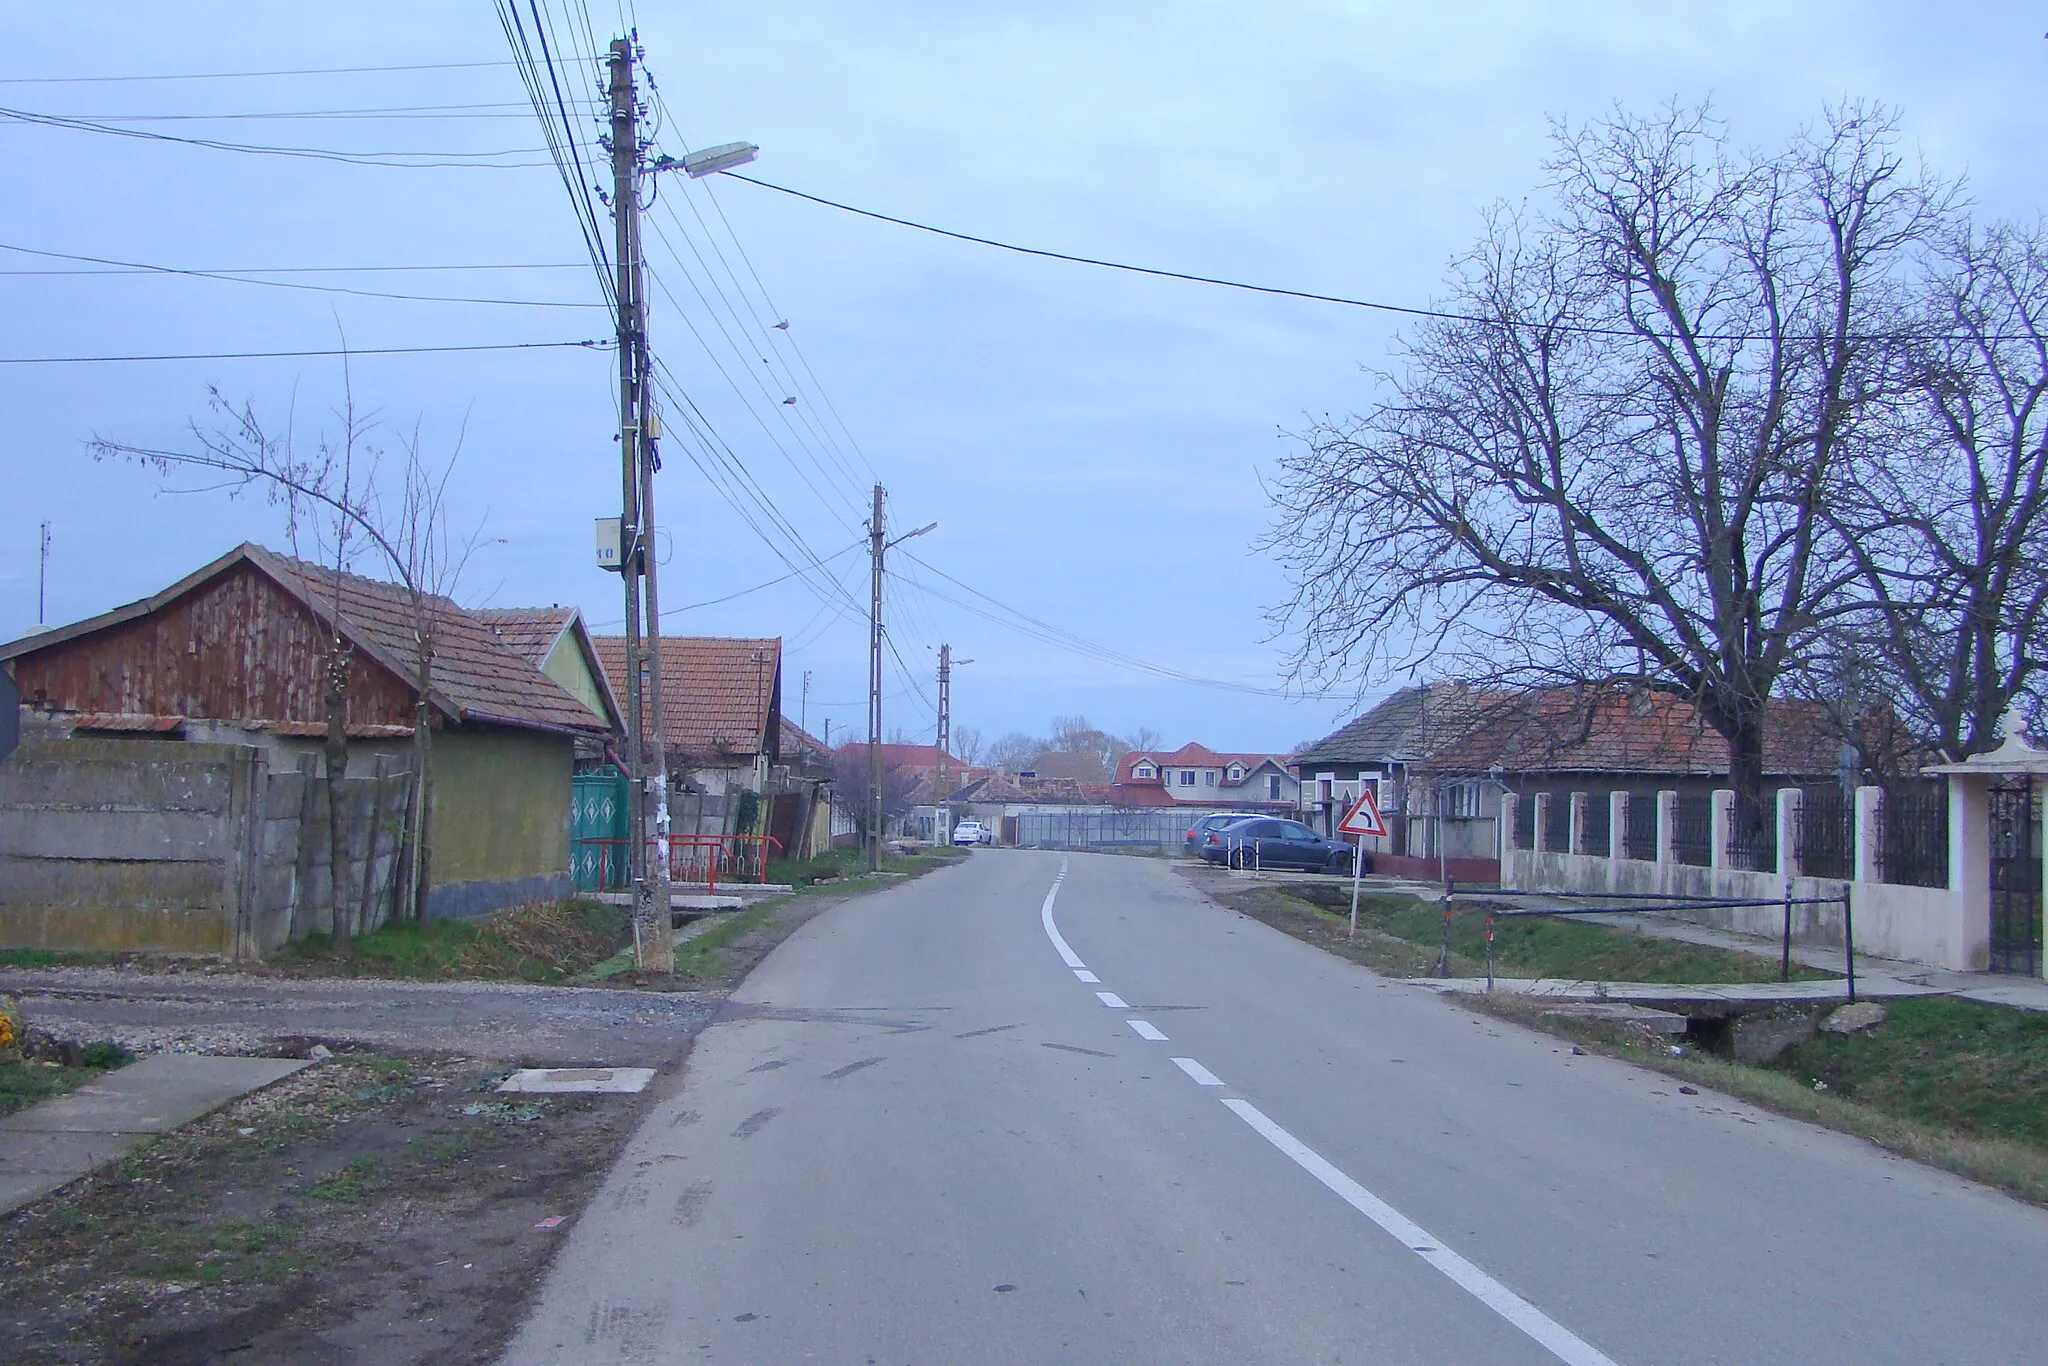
(923, 1136)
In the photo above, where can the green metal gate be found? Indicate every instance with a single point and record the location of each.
(597, 830)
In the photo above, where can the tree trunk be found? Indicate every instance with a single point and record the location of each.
(343, 905)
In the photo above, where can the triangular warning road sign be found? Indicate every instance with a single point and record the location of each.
(1364, 816)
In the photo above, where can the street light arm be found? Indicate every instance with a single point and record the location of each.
(912, 535)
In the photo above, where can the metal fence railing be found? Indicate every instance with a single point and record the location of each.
(1913, 834)
(1640, 839)
(1525, 821)
(1753, 836)
(1693, 829)
(1827, 833)
(1138, 828)
(1557, 826)
(1598, 817)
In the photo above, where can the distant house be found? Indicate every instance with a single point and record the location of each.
(1438, 757)
(722, 721)
(1083, 766)
(236, 653)
(1196, 776)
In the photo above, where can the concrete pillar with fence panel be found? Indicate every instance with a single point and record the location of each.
(1575, 839)
(1539, 817)
(1869, 834)
(1667, 827)
(1721, 825)
(1969, 861)
(1509, 823)
(1791, 806)
(1617, 825)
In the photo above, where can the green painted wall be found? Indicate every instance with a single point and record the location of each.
(567, 668)
(501, 804)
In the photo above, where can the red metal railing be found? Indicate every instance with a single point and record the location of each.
(693, 858)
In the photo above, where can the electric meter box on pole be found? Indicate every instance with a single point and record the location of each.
(608, 556)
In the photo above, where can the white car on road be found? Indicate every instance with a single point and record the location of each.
(972, 832)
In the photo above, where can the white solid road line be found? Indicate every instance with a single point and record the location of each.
(1202, 1075)
(1145, 1030)
(1086, 975)
(1554, 1337)
(1052, 931)
(1112, 1000)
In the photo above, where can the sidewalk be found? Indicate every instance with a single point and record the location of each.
(50, 1145)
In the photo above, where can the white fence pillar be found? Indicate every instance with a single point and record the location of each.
(1721, 822)
(1667, 827)
(1509, 823)
(1869, 843)
(1969, 865)
(1791, 803)
(1540, 815)
(1617, 825)
(1576, 839)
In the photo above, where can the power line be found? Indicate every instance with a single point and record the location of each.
(243, 75)
(330, 351)
(300, 270)
(1571, 329)
(143, 267)
(419, 160)
(511, 109)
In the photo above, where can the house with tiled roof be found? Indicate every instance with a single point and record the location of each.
(236, 653)
(721, 716)
(556, 641)
(1437, 757)
(1197, 776)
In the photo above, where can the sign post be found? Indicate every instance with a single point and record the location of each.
(1361, 820)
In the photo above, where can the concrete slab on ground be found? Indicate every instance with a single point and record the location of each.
(578, 1081)
(52, 1144)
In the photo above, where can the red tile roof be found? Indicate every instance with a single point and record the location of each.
(529, 632)
(720, 695)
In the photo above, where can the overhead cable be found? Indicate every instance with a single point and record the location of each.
(329, 351)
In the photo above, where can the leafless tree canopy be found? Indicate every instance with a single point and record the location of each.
(1710, 422)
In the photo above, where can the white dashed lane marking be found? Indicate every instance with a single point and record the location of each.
(1144, 1030)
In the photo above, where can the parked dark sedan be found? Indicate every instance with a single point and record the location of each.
(1198, 833)
(1263, 842)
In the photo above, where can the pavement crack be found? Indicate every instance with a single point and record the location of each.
(1076, 1048)
(992, 1029)
(770, 1065)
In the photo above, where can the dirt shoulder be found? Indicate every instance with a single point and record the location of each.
(383, 1206)
(373, 1208)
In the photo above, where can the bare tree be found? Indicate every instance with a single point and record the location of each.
(340, 495)
(1950, 536)
(967, 744)
(1016, 749)
(1607, 459)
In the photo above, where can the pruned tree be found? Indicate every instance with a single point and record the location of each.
(1016, 750)
(342, 497)
(850, 786)
(1608, 457)
(1949, 535)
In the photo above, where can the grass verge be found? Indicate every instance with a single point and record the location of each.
(25, 1081)
(544, 942)
(1954, 1084)
(2013, 1160)
(1545, 946)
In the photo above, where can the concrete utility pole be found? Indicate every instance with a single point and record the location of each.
(945, 734)
(42, 570)
(646, 752)
(876, 545)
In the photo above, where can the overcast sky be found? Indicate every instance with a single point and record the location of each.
(1091, 444)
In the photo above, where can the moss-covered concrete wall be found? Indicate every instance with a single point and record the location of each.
(501, 812)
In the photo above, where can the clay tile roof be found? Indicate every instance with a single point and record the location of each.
(1564, 730)
(529, 632)
(719, 694)
(1083, 767)
(475, 678)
